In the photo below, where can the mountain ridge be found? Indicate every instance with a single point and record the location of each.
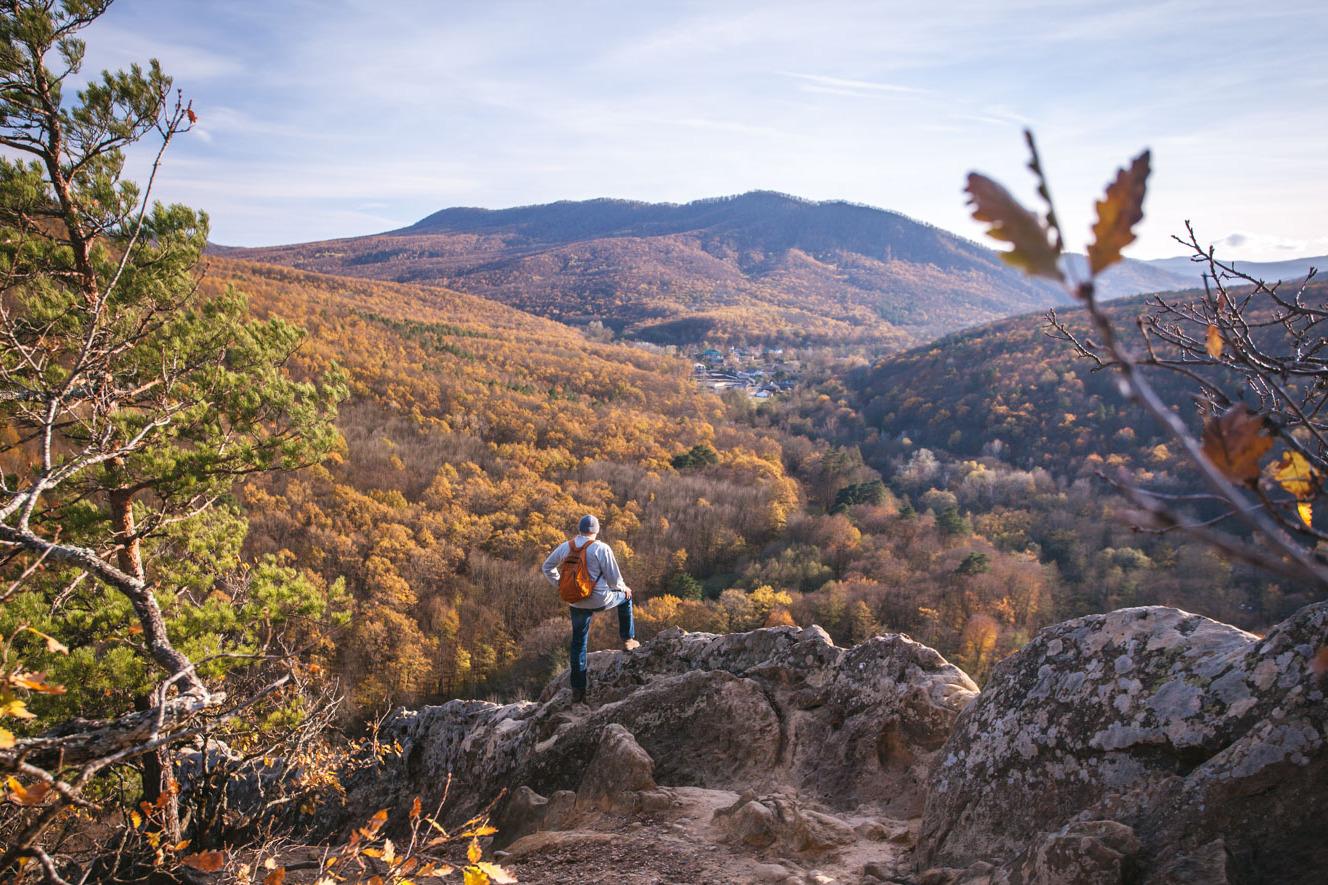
(435, 222)
(758, 267)
(1287, 269)
(761, 266)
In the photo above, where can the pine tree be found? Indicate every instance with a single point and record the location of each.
(130, 403)
(684, 586)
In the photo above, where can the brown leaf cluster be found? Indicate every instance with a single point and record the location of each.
(1117, 214)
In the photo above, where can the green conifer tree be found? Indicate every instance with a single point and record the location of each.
(130, 402)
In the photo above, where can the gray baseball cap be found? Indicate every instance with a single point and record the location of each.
(589, 525)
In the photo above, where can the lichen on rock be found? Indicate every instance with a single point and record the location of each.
(1186, 729)
(1146, 745)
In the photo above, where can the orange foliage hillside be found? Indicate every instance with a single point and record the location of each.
(757, 268)
(475, 435)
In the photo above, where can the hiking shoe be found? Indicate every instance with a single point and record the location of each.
(578, 695)
(629, 644)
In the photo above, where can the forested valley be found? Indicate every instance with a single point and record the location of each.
(917, 494)
(913, 494)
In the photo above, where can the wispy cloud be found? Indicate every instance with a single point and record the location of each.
(336, 117)
(181, 57)
(1264, 247)
(848, 86)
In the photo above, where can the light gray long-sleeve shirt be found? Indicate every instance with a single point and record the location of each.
(610, 587)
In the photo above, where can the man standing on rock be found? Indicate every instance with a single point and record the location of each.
(587, 577)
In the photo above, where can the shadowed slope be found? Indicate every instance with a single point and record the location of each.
(757, 267)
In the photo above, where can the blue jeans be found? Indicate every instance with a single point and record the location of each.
(581, 636)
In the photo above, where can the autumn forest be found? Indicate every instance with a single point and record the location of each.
(911, 494)
(254, 500)
(958, 506)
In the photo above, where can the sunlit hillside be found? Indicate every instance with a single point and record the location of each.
(475, 436)
(761, 267)
(1012, 389)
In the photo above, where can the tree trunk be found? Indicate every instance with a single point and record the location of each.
(159, 785)
(161, 791)
(129, 558)
(129, 552)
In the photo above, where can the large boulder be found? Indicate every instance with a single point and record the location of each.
(1209, 742)
(620, 768)
(857, 725)
(779, 707)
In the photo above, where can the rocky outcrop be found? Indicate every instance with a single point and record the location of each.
(1145, 746)
(749, 711)
(1206, 742)
(1082, 853)
(1098, 852)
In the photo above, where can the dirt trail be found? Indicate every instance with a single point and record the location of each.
(691, 842)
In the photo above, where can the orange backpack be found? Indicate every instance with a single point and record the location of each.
(574, 582)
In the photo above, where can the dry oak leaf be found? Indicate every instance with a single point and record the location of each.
(1010, 222)
(15, 707)
(496, 873)
(1214, 341)
(53, 645)
(33, 795)
(370, 830)
(1235, 442)
(36, 682)
(480, 830)
(1117, 215)
(1294, 474)
(205, 861)
(435, 871)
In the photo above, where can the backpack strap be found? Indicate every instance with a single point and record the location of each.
(594, 579)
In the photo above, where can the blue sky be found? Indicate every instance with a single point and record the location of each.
(326, 118)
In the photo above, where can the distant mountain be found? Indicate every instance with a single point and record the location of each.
(1291, 270)
(757, 267)
(1131, 277)
(762, 266)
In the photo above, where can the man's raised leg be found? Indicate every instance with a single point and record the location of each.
(627, 626)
